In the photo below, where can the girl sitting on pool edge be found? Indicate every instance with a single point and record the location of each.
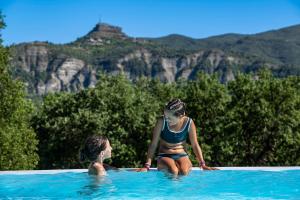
(96, 149)
(171, 131)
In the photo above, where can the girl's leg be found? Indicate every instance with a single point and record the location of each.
(184, 164)
(165, 163)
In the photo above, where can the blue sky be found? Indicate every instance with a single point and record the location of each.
(62, 21)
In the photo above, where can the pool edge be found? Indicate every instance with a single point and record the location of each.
(55, 171)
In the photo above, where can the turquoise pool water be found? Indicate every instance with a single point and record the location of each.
(221, 184)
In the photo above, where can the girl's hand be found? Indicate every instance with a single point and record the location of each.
(208, 168)
(143, 169)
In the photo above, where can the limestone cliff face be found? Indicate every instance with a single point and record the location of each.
(65, 73)
(69, 75)
(34, 57)
(170, 69)
(45, 73)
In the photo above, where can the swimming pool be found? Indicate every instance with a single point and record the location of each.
(229, 183)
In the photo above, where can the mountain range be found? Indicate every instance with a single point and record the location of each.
(47, 67)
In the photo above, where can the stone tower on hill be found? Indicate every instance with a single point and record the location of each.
(103, 31)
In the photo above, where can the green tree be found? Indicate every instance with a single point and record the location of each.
(206, 100)
(247, 122)
(17, 140)
(116, 108)
(263, 121)
(161, 92)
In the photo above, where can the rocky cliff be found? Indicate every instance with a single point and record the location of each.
(47, 67)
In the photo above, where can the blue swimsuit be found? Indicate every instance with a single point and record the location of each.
(174, 137)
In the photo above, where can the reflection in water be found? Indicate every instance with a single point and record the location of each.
(94, 185)
(171, 176)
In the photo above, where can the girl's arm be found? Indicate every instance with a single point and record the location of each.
(153, 145)
(196, 148)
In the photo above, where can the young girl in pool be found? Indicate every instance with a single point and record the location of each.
(171, 132)
(96, 149)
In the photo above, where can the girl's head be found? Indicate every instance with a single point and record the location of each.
(174, 111)
(96, 148)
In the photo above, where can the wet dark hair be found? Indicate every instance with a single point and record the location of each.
(93, 146)
(177, 106)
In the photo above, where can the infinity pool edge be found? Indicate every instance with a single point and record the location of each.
(55, 171)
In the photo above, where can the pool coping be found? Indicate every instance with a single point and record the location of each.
(55, 171)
